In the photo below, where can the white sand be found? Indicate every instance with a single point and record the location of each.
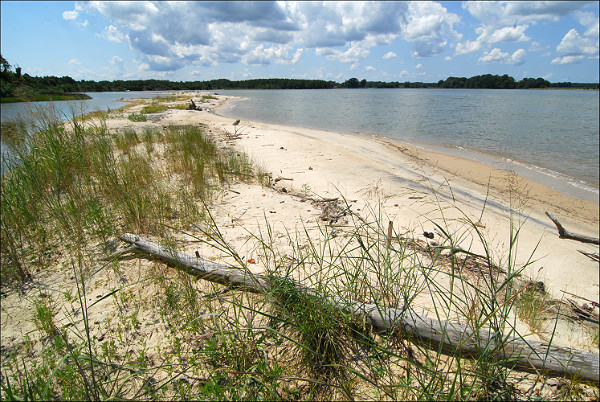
(334, 164)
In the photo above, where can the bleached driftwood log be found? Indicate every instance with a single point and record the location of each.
(453, 338)
(564, 234)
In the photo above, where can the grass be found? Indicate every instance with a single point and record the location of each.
(133, 329)
(154, 107)
(137, 117)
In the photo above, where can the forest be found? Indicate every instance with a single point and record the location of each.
(17, 87)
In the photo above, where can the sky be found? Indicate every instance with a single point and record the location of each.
(376, 41)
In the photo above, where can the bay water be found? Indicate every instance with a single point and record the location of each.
(551, 136)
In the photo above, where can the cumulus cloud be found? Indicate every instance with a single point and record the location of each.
(389, 55)
(498, 56)
(74, 61)
(509, 13)
(113, 34)
(507, 21)
(73, 15)
(175, 34)
(429, 26)
(70, 15)
(489, 35)
(575, 47)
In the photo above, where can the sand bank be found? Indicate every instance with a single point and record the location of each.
(414, 185)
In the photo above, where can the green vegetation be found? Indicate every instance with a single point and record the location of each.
(489, 81)
(18, 87)
(153, 107)
(137, 117)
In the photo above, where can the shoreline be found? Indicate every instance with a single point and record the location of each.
(412, 182)
(561, 182)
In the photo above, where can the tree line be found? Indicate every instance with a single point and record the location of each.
(17, 86)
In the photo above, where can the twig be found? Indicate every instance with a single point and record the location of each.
(564, 234)
(593, 256)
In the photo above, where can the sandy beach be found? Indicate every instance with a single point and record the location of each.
(412, 183)
(411, 189)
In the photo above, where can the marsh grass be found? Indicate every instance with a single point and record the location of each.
(154, 107)
(137, 117)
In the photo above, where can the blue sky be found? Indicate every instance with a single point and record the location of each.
(386, 41)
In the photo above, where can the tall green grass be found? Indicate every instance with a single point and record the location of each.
(75, 175)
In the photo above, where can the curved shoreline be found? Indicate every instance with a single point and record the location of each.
(563, 182)
(584, 210)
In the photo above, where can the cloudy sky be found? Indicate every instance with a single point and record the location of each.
(387, 41)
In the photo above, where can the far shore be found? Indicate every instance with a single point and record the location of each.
(47, 97)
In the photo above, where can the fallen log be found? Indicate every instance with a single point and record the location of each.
(452, 338)
(564, 234)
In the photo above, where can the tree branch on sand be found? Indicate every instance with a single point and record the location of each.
(564, 234)
(452, 338)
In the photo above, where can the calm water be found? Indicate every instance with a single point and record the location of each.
(549, 136)
(99, 101)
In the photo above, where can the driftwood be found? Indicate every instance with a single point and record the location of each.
(564, 234)
(192, 106)
(450, 337)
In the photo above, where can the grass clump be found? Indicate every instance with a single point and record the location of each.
(137, 117)
(153, 107)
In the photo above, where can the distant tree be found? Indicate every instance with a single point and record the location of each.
(5, 64)
(351, 83)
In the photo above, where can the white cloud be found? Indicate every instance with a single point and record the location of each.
(116, 60)
(370, 68)
(113, 34)
(575, 47)
(489, 35)
(74, 61)
(70, 15)
(227, 32)
(507, 21)
(73, 15)
(429, 26)
(567, 59)
(509, 13)
(389, 55)
(498, 56)
(419, 65)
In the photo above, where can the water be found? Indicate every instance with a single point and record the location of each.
(99, 101)
(549, 136)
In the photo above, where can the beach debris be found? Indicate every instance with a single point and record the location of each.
(192, 106)
(279, 178)
(564, 234)
(537, 286)
(429, 235)
(593, 256)
(531, 356)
